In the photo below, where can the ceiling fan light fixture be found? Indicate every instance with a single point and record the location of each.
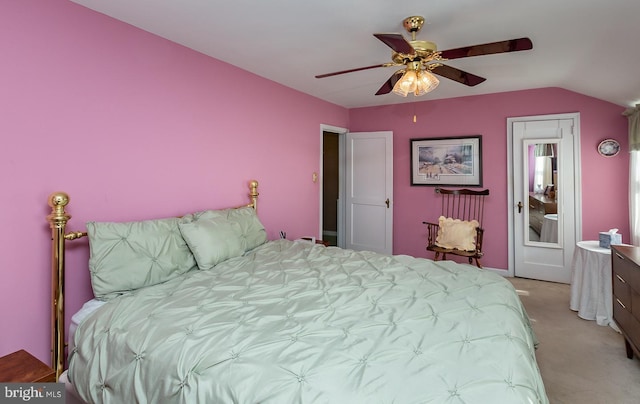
(407, 83)
(417, 82)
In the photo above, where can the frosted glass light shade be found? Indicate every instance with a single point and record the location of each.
(426, 82)
(418, 83)
(407, 83)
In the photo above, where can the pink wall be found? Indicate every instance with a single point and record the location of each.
(132, 126)
(604, 180)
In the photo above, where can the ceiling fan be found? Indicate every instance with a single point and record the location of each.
(421, 58)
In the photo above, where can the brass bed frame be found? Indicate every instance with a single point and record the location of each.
(58, 219)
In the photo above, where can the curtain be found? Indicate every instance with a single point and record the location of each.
(634, 172)
(542, 173)
(542, 169)
(544, 149)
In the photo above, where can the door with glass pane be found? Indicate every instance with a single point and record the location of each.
(544, 196)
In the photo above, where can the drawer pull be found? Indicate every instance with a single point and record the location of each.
(619, 256)
(620, 303)
(620, 278)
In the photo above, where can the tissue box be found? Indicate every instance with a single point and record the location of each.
(608, 239)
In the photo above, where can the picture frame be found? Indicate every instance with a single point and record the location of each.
(447, 161)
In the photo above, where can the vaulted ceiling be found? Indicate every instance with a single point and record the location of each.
(586, 46)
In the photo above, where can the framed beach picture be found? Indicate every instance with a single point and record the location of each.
(447, 161)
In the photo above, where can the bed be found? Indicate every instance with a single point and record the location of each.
(281, 321)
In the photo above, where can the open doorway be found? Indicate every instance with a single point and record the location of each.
(332, 143)
(330, 186)
(359, 167)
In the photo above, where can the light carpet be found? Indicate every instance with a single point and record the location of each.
(580, 361)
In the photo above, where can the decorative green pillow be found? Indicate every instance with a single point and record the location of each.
(212, 240)
(456, 233)
(131, 255)
(251, 229)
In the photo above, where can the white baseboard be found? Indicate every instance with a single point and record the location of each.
(502, 272)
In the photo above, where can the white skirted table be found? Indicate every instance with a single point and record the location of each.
(591, 287)
(549, 232)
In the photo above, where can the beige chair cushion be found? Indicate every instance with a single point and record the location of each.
(456, 233)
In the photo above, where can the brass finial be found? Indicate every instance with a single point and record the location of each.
(58, 199)
(58, 216)
(413, 24)
(253, 193)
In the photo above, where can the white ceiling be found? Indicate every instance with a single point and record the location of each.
(587, 46)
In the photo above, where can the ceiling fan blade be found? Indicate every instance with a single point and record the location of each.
(397, 42)
(320, 76)
(389, 84)
(458, 75)
(512, 45)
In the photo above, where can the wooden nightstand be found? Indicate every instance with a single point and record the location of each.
(324, 243)
(22, 367)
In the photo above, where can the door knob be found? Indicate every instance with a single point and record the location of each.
(520, 205)
(387, 202)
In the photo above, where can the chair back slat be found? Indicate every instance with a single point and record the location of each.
(463, 204)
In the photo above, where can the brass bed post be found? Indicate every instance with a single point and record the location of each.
(58, 222)
(58, 219)
(253, 194)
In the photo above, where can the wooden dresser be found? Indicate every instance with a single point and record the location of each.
(625, 265)
(540, 205)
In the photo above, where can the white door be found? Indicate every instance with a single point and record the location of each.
(544, 221)
(369, 191)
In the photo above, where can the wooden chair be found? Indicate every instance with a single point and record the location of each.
(466, 205)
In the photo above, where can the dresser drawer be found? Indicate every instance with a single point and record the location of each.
(535, 221)
(625, 268)
(635, 304)
(621, 290)
(631, 328)
(627, 323)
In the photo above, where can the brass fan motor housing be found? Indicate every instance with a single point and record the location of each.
(425, 51)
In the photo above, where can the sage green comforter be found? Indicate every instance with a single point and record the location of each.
(294, 322)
